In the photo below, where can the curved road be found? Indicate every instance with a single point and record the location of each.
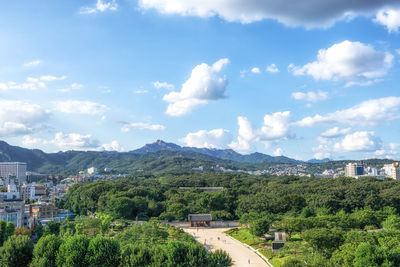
(215, 238)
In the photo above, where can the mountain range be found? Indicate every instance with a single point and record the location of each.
(157, 156)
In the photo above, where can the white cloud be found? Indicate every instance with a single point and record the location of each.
(73, 86)
(275, 126)
(362, 141)
(322, 155)
(142, 126)
(140, 92)
(113, 146)
(310, 96)
(368, 113)
(20, 117)
(32, 63)
(163, 85)
(362, 83)
(80, 107)
(101, 6)
(335, 132)
(278, 152)
(255, 70)
(50, 78)
(272, 68)
(75, 141)
(29, 141)
(203, 85)
(308, 13)
(389, 18)
(245, 135)
(347, 60)
(217, 138)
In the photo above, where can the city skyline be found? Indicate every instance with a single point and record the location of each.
(317, 80)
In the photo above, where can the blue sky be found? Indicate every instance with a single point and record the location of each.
(320, 79)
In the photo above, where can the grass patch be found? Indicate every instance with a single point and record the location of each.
(244, 236)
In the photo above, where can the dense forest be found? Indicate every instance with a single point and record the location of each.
(329, 222)
(101, 242)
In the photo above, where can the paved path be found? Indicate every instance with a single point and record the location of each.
(215, 238)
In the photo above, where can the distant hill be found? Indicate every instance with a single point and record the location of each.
(227, 154)
(318, 160)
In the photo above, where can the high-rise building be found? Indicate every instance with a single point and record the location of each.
(392, 170)
(354, 169)
(15, 170)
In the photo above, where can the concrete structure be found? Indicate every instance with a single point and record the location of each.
(354, 169)
(199, 220)
(12, 207)
(13, 169)
(92, 170)
(392, 170)
(27, 191)
(279, 241)
(43, 210)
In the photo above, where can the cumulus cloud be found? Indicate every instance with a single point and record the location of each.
(163, 85)
(203, 86)
(32, 63)
(362, 141)
(347, 60)
(368, 113)
(142, 126)
(275, 126)
(390, 18)
(113, 146)
(29, 141)
(80, 107)
(335, 132)
(75, 141)
(272, 68)
(217, 138)
(20, 117)
(100, 6)
(278, 152)
(310, 96)
(308, 13)
(255, 70)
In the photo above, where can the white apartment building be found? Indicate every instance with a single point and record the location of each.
(13, 169)
(392, 170)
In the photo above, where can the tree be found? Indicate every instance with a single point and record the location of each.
(72, 252)
(16, 251)
(323, 240)
(52, 228)
(220, 258)
(392, 222)
(10, 228)
(22, 231)
(259, 227)
(365, 256)
(136, 255)
(103, 252)
(45, 252)
(3, 226)
(38, 230)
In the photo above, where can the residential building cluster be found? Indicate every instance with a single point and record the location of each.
(26, 203)
(359, 169)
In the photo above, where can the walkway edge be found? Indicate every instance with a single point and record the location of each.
(252, 249)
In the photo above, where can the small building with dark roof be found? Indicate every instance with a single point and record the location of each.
(200, 220)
